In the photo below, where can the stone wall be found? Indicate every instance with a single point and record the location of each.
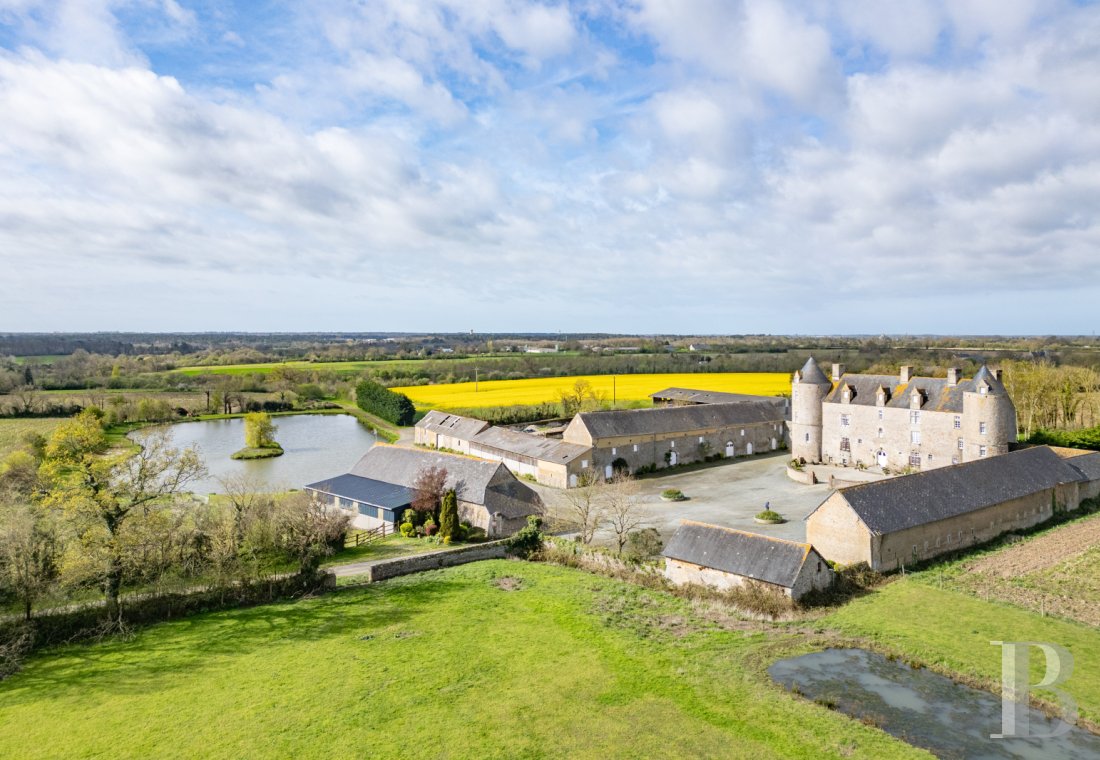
(434, 561)
(835, 531)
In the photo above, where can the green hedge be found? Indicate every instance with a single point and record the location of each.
(1088, 438)
(382, 402)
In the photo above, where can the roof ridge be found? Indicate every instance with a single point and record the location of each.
(802, 544)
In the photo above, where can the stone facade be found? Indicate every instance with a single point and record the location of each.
(685, 440)
(899, 422)
(910, 519)
(816, 575)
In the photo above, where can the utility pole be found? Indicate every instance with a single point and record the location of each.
(475, 378)
(614, 398)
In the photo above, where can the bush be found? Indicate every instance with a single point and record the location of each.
(529, 537)
(408, 530)
(643, 544)
(620, 467)
(448, 517)
(673, 494)
(769, 515)
(382, 402)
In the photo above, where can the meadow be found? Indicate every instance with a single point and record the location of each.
(12, 431)
(618, 388)
(498, 659)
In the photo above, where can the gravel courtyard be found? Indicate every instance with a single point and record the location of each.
(728, 494)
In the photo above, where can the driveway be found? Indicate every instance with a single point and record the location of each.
(727, 494)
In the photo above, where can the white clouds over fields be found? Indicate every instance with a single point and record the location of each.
(622, 166)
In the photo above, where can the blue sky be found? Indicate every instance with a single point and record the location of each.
(686, 166)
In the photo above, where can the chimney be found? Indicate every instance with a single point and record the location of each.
(838, 371)
(953, 376)
(906, 374)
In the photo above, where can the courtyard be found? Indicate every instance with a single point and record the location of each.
(726, 493)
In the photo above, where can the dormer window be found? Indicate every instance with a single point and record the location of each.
(847, 394)
(880, 397)
(915, 400)
(983, 389)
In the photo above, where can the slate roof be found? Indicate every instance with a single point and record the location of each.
(676, 419)
(367, 490)
(463, 428)
(774, 560)
(715, 397)
(887, 506)
(812, 374)
(1087, 463)
(476, 481)
(524, 444)
(938, 395)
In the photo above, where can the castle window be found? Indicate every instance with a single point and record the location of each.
(954, 460)
(880, 414)
(807, 437)
(981, 428)
(960, 444)
(914, 418)
(983, 389)
(614, 451)
(672, 444)
(914, 436)
(845, 444)
(880, 432)
(845, 420)
(635, 448)
(958, 422)
(929, 457)
(742, 433)
(914, 459)
(981, 451)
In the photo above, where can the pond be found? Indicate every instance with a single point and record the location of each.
(317, 446)
(923, 708)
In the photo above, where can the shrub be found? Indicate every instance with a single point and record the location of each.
(408, 530)
(643, 544)
(769, 515)
(448, 517)
(382, 402)
(529, 537)
(620, 466)
(673, 494)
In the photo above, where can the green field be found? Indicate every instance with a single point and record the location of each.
(448, 664)
(952, 631)
(345, 368)
(13, 430)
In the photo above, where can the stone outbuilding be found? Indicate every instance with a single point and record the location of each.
(901, 521)
(441, 430)
(549, 461)
(725, 558)
(671, 435)
(370, 503)
(1088, 464)
(489, 495)
(689, 396)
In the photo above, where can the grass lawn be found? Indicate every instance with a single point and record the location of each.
(446, 664)
(345, 368)
(13, 430)
(388, 548)
(953, 630)
(621, 387)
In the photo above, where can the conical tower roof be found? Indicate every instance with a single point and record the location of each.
(812, 374)
(984, 375)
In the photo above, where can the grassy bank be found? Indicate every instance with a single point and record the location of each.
(458, 663)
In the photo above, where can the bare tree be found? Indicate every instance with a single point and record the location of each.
(310, 530)
(29, 550)
(586, 506)
(624, 515)
(244, 493)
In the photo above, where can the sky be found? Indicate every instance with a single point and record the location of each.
(634, 166)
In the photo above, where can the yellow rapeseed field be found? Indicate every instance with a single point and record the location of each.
(623, 387)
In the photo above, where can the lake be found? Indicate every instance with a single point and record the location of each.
(317, 446)
(923, 708)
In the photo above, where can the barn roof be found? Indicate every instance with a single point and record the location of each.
(463, 428)
(676, 419)
(1087, 463)
(773, 560)
(715, 397)
(938, 394)
(476, 481)
(535, 446)
(367, 490)
(887, 506)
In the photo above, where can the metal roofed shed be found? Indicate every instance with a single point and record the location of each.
(378, 501)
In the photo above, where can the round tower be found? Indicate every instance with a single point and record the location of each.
(808, 390)
(989, 417)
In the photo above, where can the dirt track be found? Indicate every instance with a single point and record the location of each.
(1041, 553)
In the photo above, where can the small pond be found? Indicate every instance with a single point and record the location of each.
(924, 708)
(317, 446)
